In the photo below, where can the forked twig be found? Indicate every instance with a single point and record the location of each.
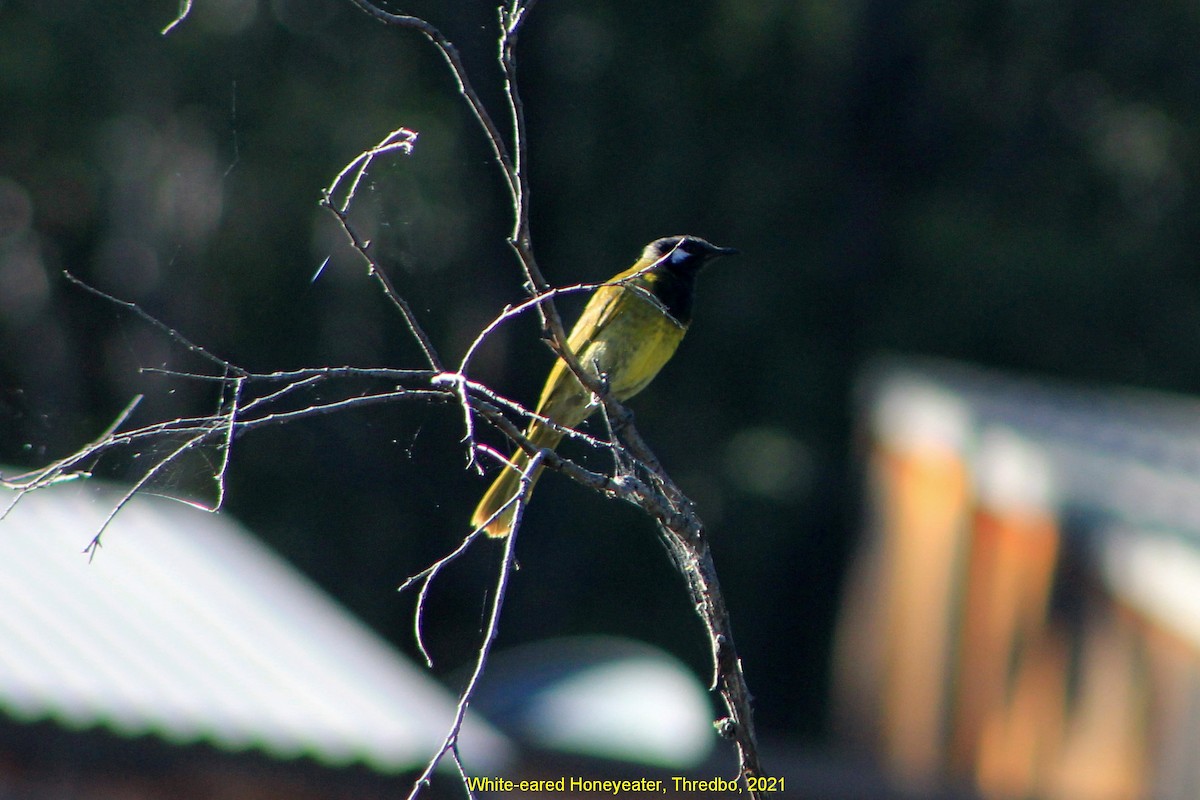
(171, 333)
(401, 140)
(62, 469)
(507, 564)
(458, 69)
(385, 283)
(155, 468)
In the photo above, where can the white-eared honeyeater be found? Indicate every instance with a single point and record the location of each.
(626, 333)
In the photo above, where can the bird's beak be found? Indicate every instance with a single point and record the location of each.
(725, 251)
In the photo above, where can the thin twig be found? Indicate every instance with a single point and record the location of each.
(512, 312)
(388, 373)
(227, 445)
(385, 283)
(465, 88)
(450, 742)
(59, 471)
(402, 140)
(185, 8)
(426, 576)
(137, 486)
(153, 321)
(281, 392)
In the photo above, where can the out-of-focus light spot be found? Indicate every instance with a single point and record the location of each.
(130, 147)
(585, 45)
(24, 289)
(226, 17)
(1012, 473)
(189, 194)
(129, 263)
(303, 16)
(168, 179)
(1139, 145)
(915, 416)
(769, 462)
(16, 209)
(647, 710)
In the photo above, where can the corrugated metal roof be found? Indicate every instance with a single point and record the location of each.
(185, 627)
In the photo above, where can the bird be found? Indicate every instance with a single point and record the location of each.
(629, 329)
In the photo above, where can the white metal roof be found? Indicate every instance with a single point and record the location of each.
(185, 627)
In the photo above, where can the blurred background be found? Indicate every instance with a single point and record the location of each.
(1011, 184)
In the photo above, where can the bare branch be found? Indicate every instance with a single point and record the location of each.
(465, 88)
(512, 168)
(384, 373)
(682, 532)
(380, 277)
(511, 20)
(171, 333)
(242, 408)
(426, 576)
(401, 140)
(507, 564)
(185, 8)
(61, 470)
(155, 468)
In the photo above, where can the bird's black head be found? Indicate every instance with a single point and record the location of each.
(671, 266)
(683, 254)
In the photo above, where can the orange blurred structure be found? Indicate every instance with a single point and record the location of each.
(1024, 614)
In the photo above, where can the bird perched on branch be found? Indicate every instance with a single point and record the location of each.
(626, 333)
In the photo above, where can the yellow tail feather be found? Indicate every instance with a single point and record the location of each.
(508, 484)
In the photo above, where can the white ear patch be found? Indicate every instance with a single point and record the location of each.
(678, 255)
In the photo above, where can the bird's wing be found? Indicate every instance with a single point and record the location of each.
(606, 302)
(563, 398)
